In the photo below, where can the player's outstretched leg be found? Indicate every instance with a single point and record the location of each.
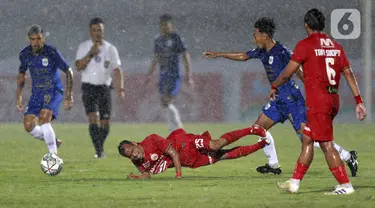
(242, 151)
(45, 118)
(233, 136)
(303, 163)
(349, 157)
(337, 169)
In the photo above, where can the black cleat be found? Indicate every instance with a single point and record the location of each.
(267, 169)
(353, 163)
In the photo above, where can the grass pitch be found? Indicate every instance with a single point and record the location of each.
(87, 182)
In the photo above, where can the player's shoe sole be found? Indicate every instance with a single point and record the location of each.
(267, 169)
(353, 163)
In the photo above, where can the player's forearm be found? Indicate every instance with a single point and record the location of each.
(351, 80)
(153, 66)
(145, 175)
(236, 56)
(187, 59)
(286, 74)
(119, 80)
(20, 83)
(82, 63)
(176, 160)
(69, 82)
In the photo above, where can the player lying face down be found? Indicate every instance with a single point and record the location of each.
(155, 154)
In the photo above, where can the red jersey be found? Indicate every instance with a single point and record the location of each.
(154, 159)
(323, 60)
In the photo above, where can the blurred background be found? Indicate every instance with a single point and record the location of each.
(225, 91)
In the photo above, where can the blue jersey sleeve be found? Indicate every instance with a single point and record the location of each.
(180, 45)
(60, 61)
(253, 54)
(285, 55)
(23, 64)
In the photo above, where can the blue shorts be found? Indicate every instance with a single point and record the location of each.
(45, 100)
(169, 85)
(280, 111)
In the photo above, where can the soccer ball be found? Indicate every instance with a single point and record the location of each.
(51, 164)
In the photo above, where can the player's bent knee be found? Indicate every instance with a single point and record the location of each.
(93, 117)
(28, 124)
(104, 122)
(326, 146)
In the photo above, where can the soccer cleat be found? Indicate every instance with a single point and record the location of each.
(341, 190)
(268, 169)
(288, 186)
(353, 163)
(257, 130)
(58, 142)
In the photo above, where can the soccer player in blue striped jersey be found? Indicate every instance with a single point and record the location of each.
(43, 63)
(168, 47)
(290, 103)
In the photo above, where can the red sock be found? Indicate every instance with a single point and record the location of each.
(340, 174)
(235, 135)
(300, 171)
(244, 150)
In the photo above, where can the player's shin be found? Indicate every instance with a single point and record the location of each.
(37, 132)
(344, 155)
(49, 137)
(173, 118)
(103, 132)
(243, 151)
(95, 137)
(270, 151)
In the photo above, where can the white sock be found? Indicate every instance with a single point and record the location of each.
(49, 137)
(270, 151)
(173, 118)
(344, 155)
(346, 185)
(295, 181)
(37, 132)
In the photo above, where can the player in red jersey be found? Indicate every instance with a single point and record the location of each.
(155, 154)
(323, 60)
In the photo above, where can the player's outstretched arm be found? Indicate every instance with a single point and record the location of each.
(236, 56)
(352, 82)
(20, 84)
(176, 160)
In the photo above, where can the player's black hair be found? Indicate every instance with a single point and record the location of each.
(165, 18)
(120, 149)
(266, 25)
(34, 30)
(315, 19)
(96, 21)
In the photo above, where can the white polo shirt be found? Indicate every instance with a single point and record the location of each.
(100, 67)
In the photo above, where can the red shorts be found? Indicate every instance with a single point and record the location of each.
(193, 148)
(319, 127)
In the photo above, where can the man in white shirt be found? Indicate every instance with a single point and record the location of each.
(97, 59)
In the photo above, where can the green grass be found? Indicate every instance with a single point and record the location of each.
(86, 182)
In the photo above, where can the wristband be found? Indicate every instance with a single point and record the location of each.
(273, 87)
(178, 174)
(358, 99)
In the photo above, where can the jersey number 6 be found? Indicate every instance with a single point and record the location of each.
(331, 73)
